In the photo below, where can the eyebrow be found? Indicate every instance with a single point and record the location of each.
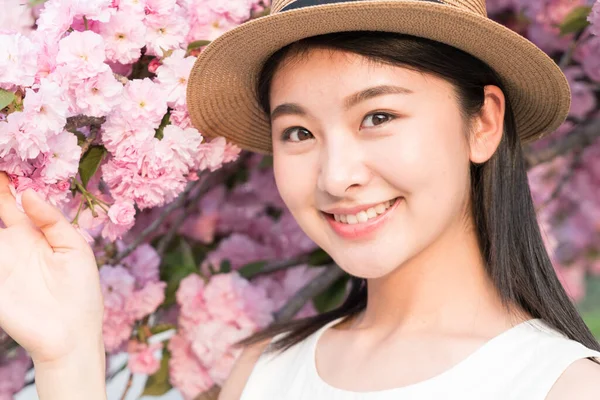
(349, 102)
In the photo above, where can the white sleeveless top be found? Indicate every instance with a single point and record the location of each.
(523, 362)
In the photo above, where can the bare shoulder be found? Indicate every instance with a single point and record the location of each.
(233, 387)
(580, 381)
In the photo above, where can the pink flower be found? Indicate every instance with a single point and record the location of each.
(202, 227)
(125, 138)
(588, 54)
(122, 213)
(135, 8)
(190, 297)
(211, 154)
(212, 343)
(18, 61)
(62, 160)
(184, 145)
(583, 98)
(12, 372)
(239, 250)
(55, 19)
(48, 110)
(150, 181)
(17, 133)
(11, 163)
(231, 153)
(143, 264)
(141, 357)
(165, 32)
(173, 74)
(186, 372)
(144, 102)
(180, 117)
(124, 35)
(231, 299)
(594, 18)
(121, 219)
(83, 53)
(97, 10)
(99, 95)
(16, 16)
(117, 286)
(146, 300)
(116, 329)
(160, 7)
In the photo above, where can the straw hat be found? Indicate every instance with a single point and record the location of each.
(221, 92)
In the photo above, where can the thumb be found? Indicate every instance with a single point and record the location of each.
(60, 234)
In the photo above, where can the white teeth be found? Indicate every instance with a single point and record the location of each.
(371, 213)
(364, 216)
(380, 208)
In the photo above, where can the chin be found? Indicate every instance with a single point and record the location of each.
(367, 266)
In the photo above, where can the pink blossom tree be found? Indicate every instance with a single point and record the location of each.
(190, 235)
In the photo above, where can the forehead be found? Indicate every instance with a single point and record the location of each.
(333, 73)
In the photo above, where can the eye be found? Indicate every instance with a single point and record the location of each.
(296, 135)
(376, 119)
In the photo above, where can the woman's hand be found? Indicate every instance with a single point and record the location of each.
(50, 296)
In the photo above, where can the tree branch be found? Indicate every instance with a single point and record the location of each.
(316, 286)
(582, 136)
(279, 265)
(210, 394)
(178, 202)
(79, 121)
(212, 180)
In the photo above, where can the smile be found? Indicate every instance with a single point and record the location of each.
(364, 216)
(363, 223)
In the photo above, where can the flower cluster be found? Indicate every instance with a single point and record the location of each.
(93, 116)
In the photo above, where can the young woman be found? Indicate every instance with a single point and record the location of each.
(396, 129)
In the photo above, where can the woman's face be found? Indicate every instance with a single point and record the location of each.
(372, 160)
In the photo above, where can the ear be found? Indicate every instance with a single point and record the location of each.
(488, 126)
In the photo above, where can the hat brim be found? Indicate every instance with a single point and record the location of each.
(221, 91)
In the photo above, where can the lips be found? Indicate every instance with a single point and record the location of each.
(363, 223)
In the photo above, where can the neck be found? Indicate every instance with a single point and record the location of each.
(443, 288)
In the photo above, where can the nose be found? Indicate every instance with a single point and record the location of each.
(343, 168)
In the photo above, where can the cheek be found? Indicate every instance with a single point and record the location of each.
(427, 161)
(295, 181)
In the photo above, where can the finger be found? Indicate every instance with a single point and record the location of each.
(59, 232)
(9, 212)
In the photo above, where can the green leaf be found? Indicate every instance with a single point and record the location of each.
(332, 297)
(33, 3)
(576, 20)
(6, 98)
(318, 257)
(158, 383)
(225, 267)
(592, 320)
(80, 137)
(177, 265)
(249, 270)
(90, 162)
(159, 132)
(197, 44)
(161, 328)
(591, 301)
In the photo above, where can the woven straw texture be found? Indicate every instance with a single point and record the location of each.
(221, 92)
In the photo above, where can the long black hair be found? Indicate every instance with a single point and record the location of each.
(501, 203)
